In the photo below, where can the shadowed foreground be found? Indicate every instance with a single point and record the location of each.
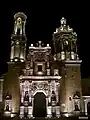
(41, 118)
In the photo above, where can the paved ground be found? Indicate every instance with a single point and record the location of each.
(4, 118)
(61, 118)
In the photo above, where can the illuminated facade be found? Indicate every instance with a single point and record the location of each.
(40, 81)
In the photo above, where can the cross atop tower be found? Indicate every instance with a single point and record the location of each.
(63, 21)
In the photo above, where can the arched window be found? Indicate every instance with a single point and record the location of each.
(8, 102)
(18, 31)
(76, 98)
(7, 107)
(26, 98)
(53, 98)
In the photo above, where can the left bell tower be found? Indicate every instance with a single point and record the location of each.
(18, 42)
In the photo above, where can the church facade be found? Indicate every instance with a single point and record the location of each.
(42, 84)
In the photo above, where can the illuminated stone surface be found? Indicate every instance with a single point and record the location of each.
(41, 82)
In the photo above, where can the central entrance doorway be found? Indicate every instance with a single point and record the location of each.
(39, 108)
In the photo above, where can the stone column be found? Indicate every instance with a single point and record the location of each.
(58, 111)
(1, 89)
(32, 105)
(57, 94)
(49, 112)
(22, 94)
(49, 92)
(12, 52)
(46, 105)
(30, 111)
(85, 102)
(21, 111)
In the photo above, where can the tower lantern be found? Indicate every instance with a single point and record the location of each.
(18, 43)
(64, 41)
(19, 25)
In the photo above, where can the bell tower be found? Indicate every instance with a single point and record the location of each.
(18, 43)
(65, 50)
(64, 41)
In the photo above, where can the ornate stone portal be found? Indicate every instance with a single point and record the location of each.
(37, 78)
(48, 88)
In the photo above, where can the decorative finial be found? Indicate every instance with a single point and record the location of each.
(63, 21)
(31, 45)
(56, 30)
(39, 43)
(70, 29)
(74, 33)
(47, 45)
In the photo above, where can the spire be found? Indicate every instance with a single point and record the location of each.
(18, 43)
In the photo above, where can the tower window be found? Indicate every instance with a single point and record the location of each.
(39, 67)
(7, 108)
(18, 31)
(76, 107)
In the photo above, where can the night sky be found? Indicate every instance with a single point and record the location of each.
(42, 20)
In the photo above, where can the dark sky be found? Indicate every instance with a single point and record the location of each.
(42, 19)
